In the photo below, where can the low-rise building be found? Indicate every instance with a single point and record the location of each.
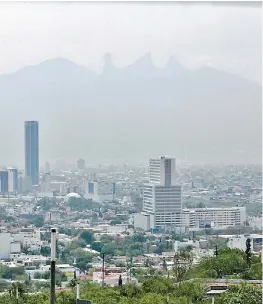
(214, 217)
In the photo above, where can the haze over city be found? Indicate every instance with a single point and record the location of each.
(121, 82)
(130, 153)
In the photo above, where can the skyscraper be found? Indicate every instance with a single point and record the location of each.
(32, 151)
(12, 180)
(161, 196)
(81, 164)
(3, 181)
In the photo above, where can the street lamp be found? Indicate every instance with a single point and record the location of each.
(53, 267)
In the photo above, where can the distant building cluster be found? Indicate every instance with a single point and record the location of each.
(162, 204)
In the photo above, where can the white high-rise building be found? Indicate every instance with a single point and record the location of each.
(161, 196)
(12, 180)
(162, 171)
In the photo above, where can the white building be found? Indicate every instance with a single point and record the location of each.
(45, 183)
(161, 196)
(12, 180)
(100, 191)
(214, 217)
(165, 203)
(143, 220)
(7, 246)
(28, 237)
(239, 242)
(59, 187)
(162, 171)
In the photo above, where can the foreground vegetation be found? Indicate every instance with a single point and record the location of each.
(155, 290)
(156, 285)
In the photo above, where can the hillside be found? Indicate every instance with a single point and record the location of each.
(131, 113)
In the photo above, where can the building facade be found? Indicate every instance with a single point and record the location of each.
(161, 196)
(81, 164)
(3, 181)
(12, 180)
(32, 151)
(214, 217)
(162, 171)
(100, 191)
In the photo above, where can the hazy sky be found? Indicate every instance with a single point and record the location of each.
(225, 36)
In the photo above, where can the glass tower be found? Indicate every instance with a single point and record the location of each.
(32, 151)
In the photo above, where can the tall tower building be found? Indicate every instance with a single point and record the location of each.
(3, 181)
(81, 164)
(161, 196)
(32, 151)
(12, 180)
(162, 171)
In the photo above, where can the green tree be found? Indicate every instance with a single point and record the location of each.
(248, 252)
(97, 246)
(87, 236)
(241, 294)
(254, 273)
(182, 262)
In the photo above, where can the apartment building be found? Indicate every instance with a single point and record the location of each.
(214, 217)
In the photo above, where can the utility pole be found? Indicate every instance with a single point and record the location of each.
(103, 269)
(53, 267)
(216, 251)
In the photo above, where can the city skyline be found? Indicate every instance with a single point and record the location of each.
(131, 152)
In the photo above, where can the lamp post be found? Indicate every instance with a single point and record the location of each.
(53, 267)
(103, 270)
(77, 292)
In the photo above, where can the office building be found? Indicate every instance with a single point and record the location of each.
(3, 181)
(12, 180)
(47, 167)
(214, 217)
(100, 191)
(24, 184)
(32, 151)
(143, 220)
(162, 171)
(162, 198)
(45, 183)
(81, 164)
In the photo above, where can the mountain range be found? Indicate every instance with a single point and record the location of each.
(203, 115)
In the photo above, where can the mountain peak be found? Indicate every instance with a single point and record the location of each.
(173, 62)
(144, 61)
(108, 62)
(58, 62)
